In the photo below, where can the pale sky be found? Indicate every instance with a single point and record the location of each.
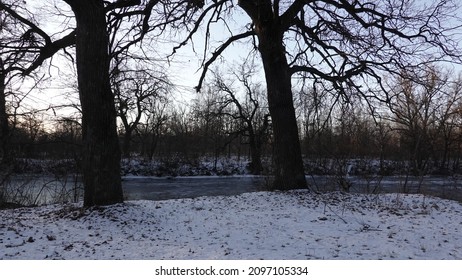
(184, 68)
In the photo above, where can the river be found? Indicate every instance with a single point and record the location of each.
(153, 188)
(44, 190)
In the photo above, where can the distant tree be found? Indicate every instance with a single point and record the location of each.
(182, 137)
(449, 118)
(151, 131)
(208, 129)
(66, 138)
(31, 133)
(136, 88)
(385, 142)
(314, 107)
(415, 106)
(246, 106)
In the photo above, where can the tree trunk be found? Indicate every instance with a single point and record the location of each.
(255, 153)
(288, 163)
(101, 151)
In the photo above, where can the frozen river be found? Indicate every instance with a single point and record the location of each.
(44, 190)
(153, 188)
(160, 188)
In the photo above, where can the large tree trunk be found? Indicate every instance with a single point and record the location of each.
(101, 158)
(288, 163)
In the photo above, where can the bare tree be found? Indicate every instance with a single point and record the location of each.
(94, 44)
(210, 127)
(448, 121)
(181, 139)
(314, 108)
(384, 140)
(151, 130)
(415, 108)
(344, 44)
(101, 151)
(248, 110)
(135, 89)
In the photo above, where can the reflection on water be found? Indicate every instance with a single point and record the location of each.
(38, 189)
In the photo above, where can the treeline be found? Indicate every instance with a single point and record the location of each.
(419, 127)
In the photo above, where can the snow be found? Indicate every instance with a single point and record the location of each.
(260, 225)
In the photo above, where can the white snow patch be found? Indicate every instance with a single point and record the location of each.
(262, 225)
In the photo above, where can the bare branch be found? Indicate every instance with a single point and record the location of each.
(49, 50)
(197, 24)
(218, 52)
(33, 27)
(292, 12)
(122, 4)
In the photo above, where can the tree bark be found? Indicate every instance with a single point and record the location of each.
(101, 151)
(288, 163)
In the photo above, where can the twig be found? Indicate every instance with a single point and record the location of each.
(335, 213)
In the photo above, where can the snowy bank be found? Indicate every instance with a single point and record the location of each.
(262, 225)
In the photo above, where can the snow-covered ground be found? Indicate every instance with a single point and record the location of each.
(261, 225)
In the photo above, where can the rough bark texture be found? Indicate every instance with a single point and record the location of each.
(101, 158)
(288, 163)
